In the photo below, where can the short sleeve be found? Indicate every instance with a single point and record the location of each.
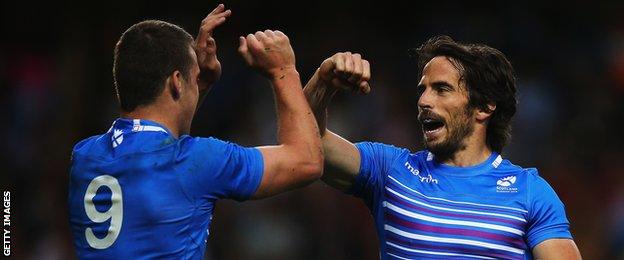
(375, 161)
(547, 217)
(214, 169)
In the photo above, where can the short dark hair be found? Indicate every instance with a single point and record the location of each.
(145, 55)
(488, 76)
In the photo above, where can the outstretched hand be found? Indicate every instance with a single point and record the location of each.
(206, 47)
(269, 52)
(347, 71)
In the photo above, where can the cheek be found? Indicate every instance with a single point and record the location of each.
(455, 119)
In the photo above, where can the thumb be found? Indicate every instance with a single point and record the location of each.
(342, 84)
(364, 87)
(243, 50)
(327, 67)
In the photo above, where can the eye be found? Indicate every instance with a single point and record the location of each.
(442, 88)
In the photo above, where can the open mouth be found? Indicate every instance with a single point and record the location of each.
(431, 125)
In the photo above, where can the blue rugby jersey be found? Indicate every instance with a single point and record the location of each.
(425, 209)
(137, 192)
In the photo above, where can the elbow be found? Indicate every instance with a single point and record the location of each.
(312, 167)
(316, 170)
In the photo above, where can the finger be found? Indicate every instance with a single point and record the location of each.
(217, 9)
(357, 68)
(205, 32)
(243, 50)
(270, 34)
(348, 65)
(211, 45)
(364, 87)
(207, 27)
(366, 70)
(261, 36)
(225, 13)
(339, 60)
(212, 18)
(252, 42)
(281, 35)
(216, 14)
(242, 44)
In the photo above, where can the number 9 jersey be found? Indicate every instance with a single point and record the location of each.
(137, 192)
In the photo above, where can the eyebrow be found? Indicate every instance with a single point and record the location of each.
(439, 83)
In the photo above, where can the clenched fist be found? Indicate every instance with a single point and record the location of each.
(269, 52)
(347, 71)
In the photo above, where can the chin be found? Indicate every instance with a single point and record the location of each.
(434, 142)
(443, 149)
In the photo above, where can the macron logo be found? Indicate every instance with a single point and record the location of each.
(117, 137)
(503, 184)
(415, 172)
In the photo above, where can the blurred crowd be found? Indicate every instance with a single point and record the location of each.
(56, 82)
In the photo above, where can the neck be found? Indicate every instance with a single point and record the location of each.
(154, 114)
(474, 151)
(469, 156)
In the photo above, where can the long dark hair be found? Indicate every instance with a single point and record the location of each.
(488, 76)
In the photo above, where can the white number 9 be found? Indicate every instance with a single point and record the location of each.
(115, 213)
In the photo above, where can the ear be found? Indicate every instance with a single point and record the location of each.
(485, 114)
(174, 83)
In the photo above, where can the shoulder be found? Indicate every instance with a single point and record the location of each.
(530, 173)
(86, 145)
(506, 167)
(422, 155)
(203, 146)
(381, 149)
(190, 142)
(535, 184)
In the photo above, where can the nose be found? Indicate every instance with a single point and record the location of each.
(425, 100)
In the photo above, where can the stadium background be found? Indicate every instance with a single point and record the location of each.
(55, 75)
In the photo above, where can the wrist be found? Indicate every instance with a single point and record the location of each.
(323, 86)
(282, 72)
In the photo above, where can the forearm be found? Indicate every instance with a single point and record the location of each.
(297, 127)
(342, 159)
(319, 96)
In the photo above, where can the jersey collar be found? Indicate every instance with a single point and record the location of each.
(138, 125)
(493, 161)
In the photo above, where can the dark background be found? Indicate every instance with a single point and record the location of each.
(56, 82)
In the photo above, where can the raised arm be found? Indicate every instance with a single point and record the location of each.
(343, 71)
(298, 159)
(206, 50)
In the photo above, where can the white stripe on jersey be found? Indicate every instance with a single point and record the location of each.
(451, 221)
(434, 253)
(452, 240)
(458, 202)
(137, 127)
(449, 209)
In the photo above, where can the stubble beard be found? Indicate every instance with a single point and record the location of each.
(459, 127)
